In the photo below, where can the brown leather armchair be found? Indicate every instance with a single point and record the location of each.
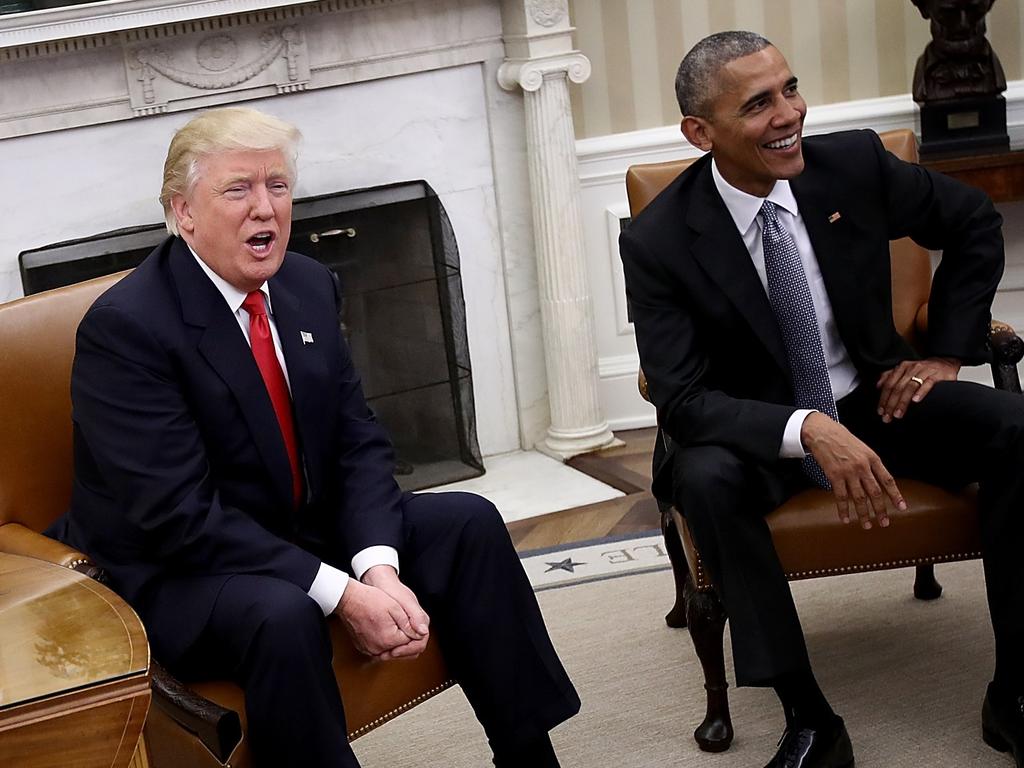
(939, 527)
(202, 725)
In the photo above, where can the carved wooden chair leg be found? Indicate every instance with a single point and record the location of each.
(925, 585)
(676, 617)
(706, 618)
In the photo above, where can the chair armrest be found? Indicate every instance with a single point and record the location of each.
(17, 539)
(1007, 350)
(218, 728)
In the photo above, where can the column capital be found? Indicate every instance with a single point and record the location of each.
(529, 74)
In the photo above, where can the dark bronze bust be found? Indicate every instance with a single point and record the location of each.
(958, 62)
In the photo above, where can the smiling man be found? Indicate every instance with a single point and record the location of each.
(232, 481)
(759, 286)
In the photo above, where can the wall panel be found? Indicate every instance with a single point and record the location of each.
(840, 50)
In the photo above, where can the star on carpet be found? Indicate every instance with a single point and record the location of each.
(566, 565)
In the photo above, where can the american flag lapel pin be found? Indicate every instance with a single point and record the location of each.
(834, 218)
(307, 337)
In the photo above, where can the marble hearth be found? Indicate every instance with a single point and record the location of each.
(468, 95)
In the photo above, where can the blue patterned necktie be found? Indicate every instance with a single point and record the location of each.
(790, 297)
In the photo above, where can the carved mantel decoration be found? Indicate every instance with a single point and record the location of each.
(958, 81)
(186, 66)
(548, 13)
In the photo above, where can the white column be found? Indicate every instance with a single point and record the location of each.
(570, 352)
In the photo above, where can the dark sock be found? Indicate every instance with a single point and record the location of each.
(537, 754)
(803, 702)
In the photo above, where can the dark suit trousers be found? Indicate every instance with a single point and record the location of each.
(458, 559)
(960, 433)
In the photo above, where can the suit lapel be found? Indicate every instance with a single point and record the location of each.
(722, 254)
(223, 346)
(833, 246)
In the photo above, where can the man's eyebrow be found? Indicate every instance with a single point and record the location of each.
(240, 178)
(764, 94)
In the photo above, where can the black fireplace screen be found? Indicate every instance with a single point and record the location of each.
(403, 313)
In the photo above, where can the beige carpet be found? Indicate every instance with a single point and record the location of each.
(908, 677)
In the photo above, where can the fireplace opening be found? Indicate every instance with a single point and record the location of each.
(403, 312)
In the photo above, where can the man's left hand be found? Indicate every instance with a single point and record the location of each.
(417, 625)
(909, 382)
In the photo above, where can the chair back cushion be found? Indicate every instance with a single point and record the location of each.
(37, 346)
(911, 266)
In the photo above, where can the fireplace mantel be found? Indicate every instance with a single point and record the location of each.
(75, 21)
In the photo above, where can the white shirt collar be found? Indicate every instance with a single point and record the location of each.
(233, 296)
(744, 207)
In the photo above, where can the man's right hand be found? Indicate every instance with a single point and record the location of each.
(374, 620)
(856, 473)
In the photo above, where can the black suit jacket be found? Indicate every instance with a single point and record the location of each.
(708, 341)
(181, 474)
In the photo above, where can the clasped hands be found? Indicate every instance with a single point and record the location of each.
(858, 477)
(383, 616)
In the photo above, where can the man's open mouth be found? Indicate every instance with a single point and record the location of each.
(261, 242)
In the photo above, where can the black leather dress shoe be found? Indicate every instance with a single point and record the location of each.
(1002, 724)
(827, 747)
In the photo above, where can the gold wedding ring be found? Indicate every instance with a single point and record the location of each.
(917, 380)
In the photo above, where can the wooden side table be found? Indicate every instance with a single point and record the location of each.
(1000, 175)
(74, 670)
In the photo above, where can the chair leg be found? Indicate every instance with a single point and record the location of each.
(706, 618)
(676, 617)
(925, 585)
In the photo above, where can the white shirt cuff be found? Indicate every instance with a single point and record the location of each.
(328, 587)
(371, 556)
(792, 447)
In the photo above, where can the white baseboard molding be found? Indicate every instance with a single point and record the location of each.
(632, 422)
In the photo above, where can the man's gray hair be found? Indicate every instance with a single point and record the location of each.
(696, 78)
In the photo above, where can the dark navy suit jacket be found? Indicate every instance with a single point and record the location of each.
(181, 475)
(708, 341)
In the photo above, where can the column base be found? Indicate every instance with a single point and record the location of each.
(564, 444)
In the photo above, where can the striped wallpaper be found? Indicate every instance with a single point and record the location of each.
(840, 49)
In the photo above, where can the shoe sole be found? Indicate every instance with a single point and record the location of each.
(999, 744)
(994, 740)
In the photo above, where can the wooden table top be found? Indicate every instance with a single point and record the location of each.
(61, 631)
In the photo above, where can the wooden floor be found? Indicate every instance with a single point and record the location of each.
(627, 468)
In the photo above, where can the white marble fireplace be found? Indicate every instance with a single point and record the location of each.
(383, 91)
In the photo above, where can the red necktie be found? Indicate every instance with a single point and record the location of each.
(273, 377)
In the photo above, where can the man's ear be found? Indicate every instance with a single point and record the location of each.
(183, 213)
(697, 132)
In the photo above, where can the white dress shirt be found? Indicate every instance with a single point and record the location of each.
(745, 211)
(329, 584)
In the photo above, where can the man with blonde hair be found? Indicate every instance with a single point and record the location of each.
(231, 479)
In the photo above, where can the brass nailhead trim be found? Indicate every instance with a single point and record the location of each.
(399, 710)
(885, 565)
(704, 585)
